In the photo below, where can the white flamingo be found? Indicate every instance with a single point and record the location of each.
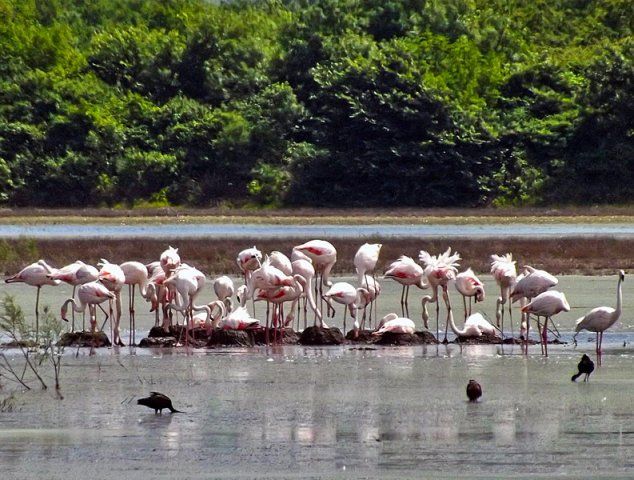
(469, 286)
(36, 275)
(395, 324)
(439, 270)
(406, 272)
(346, 294)
(505, 273)
(135, 273)
(601, 318)
(547, 304)
(76, 273)
(112, 276)
(474, 326)
(89, 295)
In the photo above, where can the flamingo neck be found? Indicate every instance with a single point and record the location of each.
(454, 329)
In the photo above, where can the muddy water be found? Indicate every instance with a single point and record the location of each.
(339, 412)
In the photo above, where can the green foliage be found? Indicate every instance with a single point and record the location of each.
(326, 102)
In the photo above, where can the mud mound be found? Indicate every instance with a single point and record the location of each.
(321, 336)
(84, 339)
(158, 342)
(233, 338)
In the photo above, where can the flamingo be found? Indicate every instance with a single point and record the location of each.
(304, 267)
(112, 276)
(469, 285)
(76, 273)
(323, 255)
(236, 319)
(395, 324)
(601, 318)
(158, 294)
(346, 294)
(474, 326)
(186, 283)
(281, 262)
(547, 304)
(224, 289)
(374, 290)
(135, 273)
(505, 274)
(170, 259)
(279, 296)
(439, 270)
(36, 275)
(365, 262)
(406, 272)
(249, 260)
(89, 295)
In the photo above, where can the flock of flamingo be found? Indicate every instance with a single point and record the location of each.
(171, 285)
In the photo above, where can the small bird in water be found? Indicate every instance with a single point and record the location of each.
(585, 366)
(158, 402)
(474, 391)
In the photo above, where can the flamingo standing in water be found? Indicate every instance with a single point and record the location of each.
(304, 267)
(36, 275)
(374, 290)
(323, 255)
(365, 261)
(529, 284)
(76, 273)
(505, 274)
(547, 304)
(346, 294)
(406, 272)
(135, 273)
(112, 276)
(89, 295)
(185, 285)
(469, 285)
(601, 318)
(439, 270)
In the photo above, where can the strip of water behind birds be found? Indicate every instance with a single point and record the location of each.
(180, 230)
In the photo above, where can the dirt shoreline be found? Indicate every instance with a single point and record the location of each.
(602, 214)
(587, 256)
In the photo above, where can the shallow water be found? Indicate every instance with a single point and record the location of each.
(337, 412)
(325, 413)
(184, 230)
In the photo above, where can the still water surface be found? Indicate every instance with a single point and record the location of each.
(337, 412)
(309, 231)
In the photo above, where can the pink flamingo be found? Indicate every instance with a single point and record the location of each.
(469, 285)
(601, 318)
(304, 267)
(36, 275)
(406, 272)
(185, 284)
(170, 259)
(365, 261)
(224, 290)
(135, 273)
(346, 294)
(112, 276)
(281, 262)
(395, 324)
(505, 274)
(546, 304)
(528, 285)
(236, 319)
(374, 290)
(89, 295)
(323, 255)
(439, 270)
(76, 273)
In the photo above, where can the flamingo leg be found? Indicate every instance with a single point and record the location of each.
(407, 300)
(72, 328)
(545, 336)
(345, 311)
(37, 315)
(464, 304)
(445, 296)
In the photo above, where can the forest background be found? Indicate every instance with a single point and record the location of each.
(346, 103)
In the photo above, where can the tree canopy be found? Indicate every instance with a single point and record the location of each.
(320, 102)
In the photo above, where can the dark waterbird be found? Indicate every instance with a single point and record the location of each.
(158, 402)
(474, 391)
(585, 366)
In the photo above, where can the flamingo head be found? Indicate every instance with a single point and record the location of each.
(622, 275)
(479, 296)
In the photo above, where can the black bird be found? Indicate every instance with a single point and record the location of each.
(158, 402)
(585, 366)
(474, 391)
